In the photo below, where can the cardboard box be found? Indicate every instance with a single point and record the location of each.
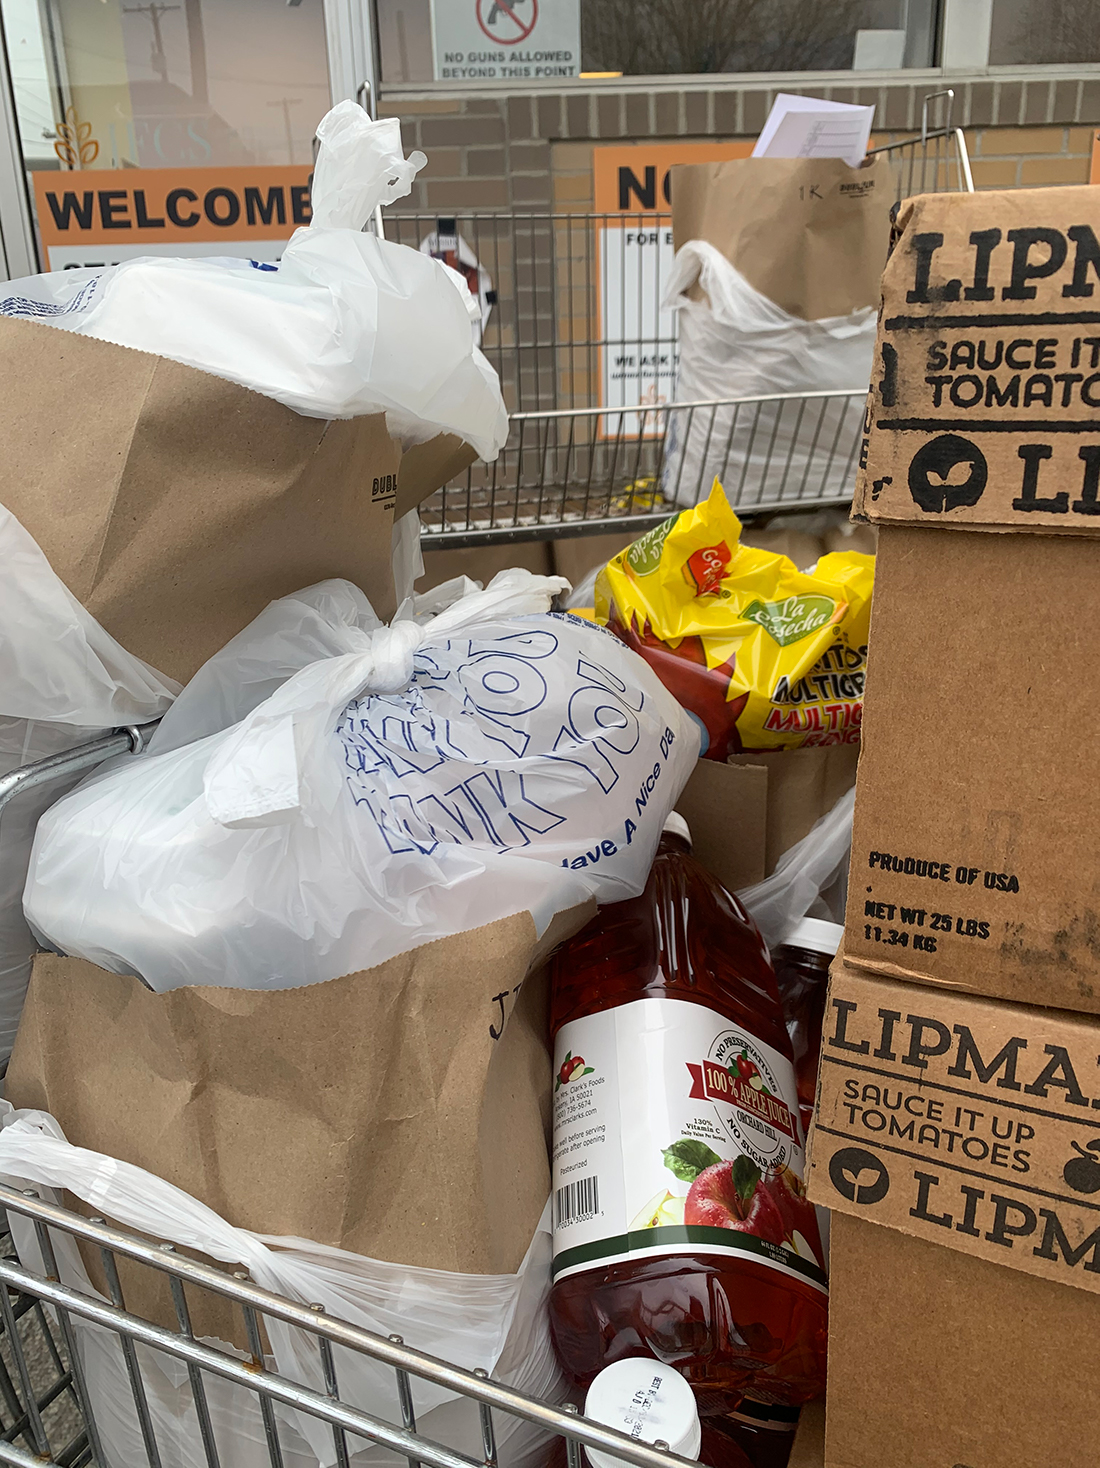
(957, 1142)
(936, 1360)
(973, 851)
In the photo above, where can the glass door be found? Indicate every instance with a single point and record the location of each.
(186, 128)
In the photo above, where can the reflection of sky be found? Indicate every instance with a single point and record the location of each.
(260, 54)
(28, 75)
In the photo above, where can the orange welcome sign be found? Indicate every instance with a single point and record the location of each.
(632, 178)
(170, 206)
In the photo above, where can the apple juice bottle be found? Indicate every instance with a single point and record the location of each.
(681, 1225)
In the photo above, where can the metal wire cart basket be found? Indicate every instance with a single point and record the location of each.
(84, 1379)
(575, 322)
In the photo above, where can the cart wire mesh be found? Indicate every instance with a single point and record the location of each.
(587, 451)
(82, 1376)
(573, 323)
(86, 1379)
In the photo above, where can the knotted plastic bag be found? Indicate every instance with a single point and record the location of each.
(384, 786)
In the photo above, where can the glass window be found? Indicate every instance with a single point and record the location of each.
(1044, 32)
(125, 84)
(682, 36)
(674, 37)
(166, 127)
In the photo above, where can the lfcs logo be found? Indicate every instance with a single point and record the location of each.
(859, 1175)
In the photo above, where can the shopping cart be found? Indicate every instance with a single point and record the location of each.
(587, 359)
(86, 1381)
(583, 455)
(83, 1379)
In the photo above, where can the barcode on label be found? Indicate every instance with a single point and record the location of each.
(577, 1201)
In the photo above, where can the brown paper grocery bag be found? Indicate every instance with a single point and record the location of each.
(745, 815)
(427, 466)
(803, 785)
(176, 505)
(809, 233)
(401, 1112)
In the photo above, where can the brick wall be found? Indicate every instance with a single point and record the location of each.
(1029, 157)
(495, 149)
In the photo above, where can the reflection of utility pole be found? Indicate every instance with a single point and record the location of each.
(286, 103)
(154, 11)
(197, 43)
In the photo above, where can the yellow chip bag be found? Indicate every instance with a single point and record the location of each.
(763, 655)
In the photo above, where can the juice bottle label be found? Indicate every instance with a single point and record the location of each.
(677, 1132)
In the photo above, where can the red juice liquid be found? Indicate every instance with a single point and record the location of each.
(681, 1228)
(802, 971)
(717, 1450)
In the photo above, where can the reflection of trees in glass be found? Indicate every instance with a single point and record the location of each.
(657, 37)
(809, 35)
(1057, 32)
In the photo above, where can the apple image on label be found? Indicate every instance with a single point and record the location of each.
(771, 1205)
(663, 1210)
(1082, 1173)
(715, 1201)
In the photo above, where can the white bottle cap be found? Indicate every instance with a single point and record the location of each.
(675, 823)
(816, 935)
(648, 1401)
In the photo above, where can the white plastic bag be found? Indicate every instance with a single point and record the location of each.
(803, 874)
(496, 1322)
(347, 324)
(386, 786)
(63, 681)
(439, 245)
(739, 344)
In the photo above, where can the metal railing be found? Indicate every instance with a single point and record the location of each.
(936, 161)
(573, 323)
(218, 1408)
(70, 762)
(591, 470)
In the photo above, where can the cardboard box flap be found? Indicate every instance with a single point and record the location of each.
(803, 785)
(726, 808)
(968, 1122)
(745, 815)
(984, 399)
(808, 1448)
